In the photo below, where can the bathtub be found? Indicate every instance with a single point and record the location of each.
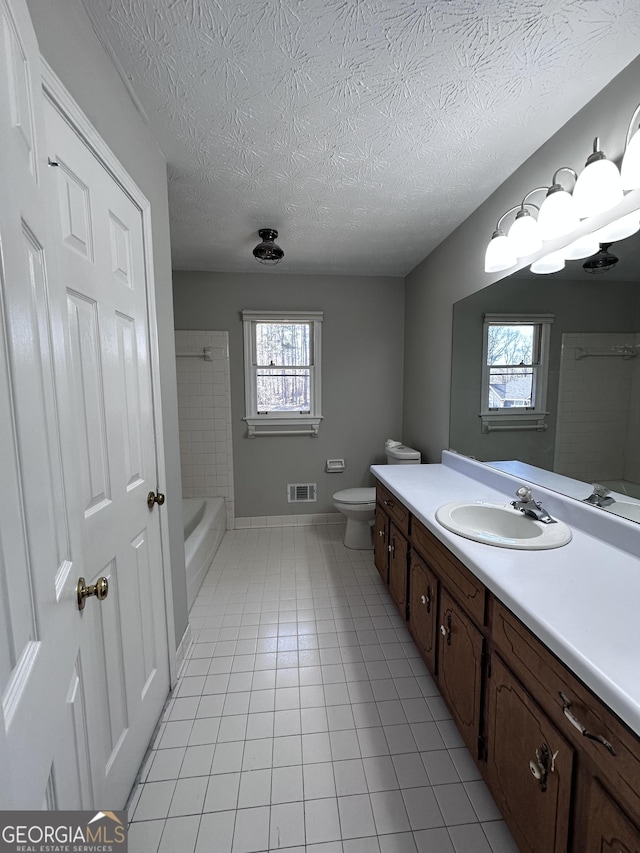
(205, 521)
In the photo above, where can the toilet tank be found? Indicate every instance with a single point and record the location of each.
(399, 454)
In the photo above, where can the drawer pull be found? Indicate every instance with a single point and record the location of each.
(387, 502)
(575, 722)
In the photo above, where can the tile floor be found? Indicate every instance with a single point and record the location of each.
(305, 720)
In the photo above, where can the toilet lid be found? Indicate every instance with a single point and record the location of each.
(355, 496)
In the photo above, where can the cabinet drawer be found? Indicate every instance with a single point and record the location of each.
(466, 588)
(570, 704)
(396, 510)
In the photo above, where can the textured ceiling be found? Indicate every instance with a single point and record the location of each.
(364, 131)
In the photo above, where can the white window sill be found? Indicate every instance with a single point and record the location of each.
(513, 421)
(282, 425)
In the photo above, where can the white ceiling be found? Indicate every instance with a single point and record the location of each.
(364, 131)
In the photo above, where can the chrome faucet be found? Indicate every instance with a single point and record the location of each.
(600, 496)
(528, 506)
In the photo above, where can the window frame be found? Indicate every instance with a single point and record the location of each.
(279, 422)
(517, 417)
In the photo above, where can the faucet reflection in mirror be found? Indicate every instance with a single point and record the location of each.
(599, 187)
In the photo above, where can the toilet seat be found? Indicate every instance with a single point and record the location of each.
(356, 496)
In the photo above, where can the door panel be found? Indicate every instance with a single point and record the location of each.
(102, 247)
(39, 537)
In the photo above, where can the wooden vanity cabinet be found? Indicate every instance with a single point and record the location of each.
(459, 673)
(520, 710)
(423, 608)
(529, 765)
(391, 547)
(609, 829)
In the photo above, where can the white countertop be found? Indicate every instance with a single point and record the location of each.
(581, 600)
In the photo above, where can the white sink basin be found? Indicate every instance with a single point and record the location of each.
(501, 525)
(625, 509)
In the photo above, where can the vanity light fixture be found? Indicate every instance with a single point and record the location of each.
(500, 254)
(599, 185)
(583, 247)
(524, 233)
(558, 212)
(553, 262)
(630, 168)
(268, 252)
(620, 228)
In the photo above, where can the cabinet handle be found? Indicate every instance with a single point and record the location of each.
(392, 548)
(446, 632)
(387, 502)
(426, 599)
(540, 767)
(381, 533)
(575, 722)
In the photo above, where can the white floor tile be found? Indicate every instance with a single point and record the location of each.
(304, 719)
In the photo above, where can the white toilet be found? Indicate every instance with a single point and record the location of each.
(359, 505)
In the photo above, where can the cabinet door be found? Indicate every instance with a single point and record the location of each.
(529, 765)
(381, 544)
(460, 668)
(423, 591)
(398, 553)
(610, 831)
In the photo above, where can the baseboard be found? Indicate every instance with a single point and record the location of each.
(305, 520)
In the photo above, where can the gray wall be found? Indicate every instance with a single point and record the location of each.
(362, 353)
(579, 306)
(70, 46)
(455, 269)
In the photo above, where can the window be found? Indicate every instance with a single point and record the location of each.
(515, 356)
(282, 372)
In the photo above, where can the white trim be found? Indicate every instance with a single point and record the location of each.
(55, 91)
(281, 423)
(523, 418)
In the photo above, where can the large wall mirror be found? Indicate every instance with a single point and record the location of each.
(592, 430)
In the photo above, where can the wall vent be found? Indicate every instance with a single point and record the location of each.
(302, 492)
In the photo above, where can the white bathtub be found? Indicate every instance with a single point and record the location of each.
(205, 521)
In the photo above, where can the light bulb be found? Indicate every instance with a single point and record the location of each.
(599, 186)
(524, 235)
(630, 169)
(553, 262)
(558, 214)
(500, 254)
(583, 247)
(619, 228)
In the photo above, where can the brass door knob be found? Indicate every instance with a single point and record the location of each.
(155, 498)
(100, 589)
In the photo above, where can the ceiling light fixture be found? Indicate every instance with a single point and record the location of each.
(599, 185)
(268, 252)
(500, 254)
(601, 262)
(630, 168)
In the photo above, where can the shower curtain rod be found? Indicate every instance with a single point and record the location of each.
(626, 352)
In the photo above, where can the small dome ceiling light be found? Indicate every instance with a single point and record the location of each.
(268, 252)
(602, 261)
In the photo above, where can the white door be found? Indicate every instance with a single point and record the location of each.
(39, 529)
(80, 692)
(123, 654)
